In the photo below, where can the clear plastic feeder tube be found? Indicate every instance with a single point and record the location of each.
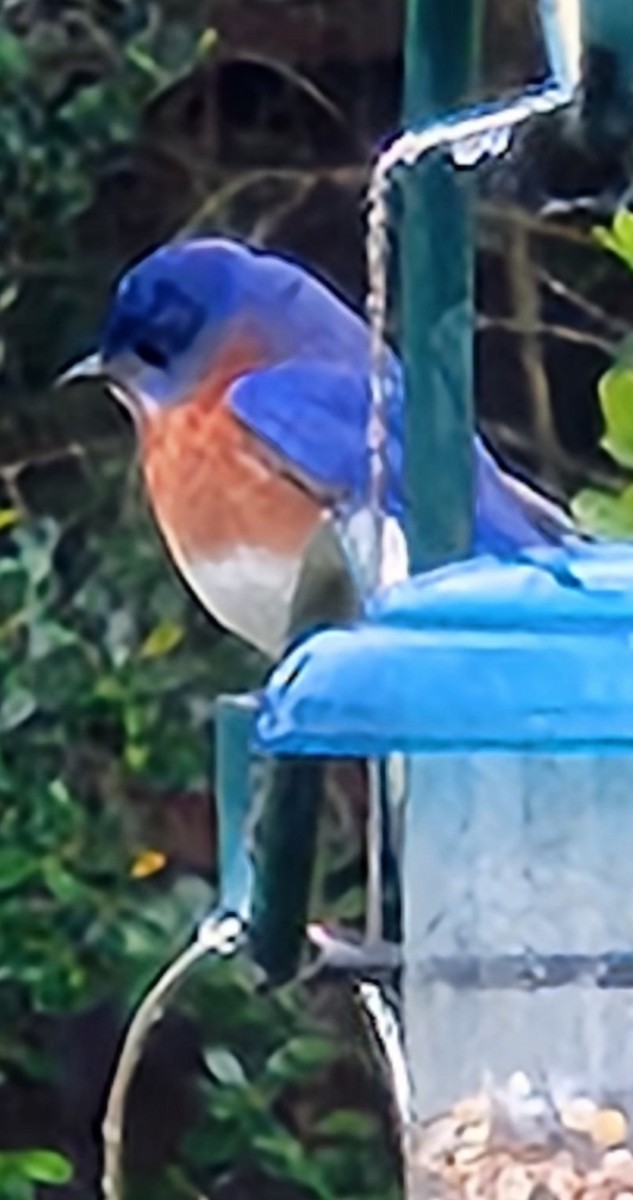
(518, 982)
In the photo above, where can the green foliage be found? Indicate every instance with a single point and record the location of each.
(273, 1061)
(74, 926)
(618, 239)
(102, 684)
(22, 1170)
(73, 87)
(609, 513)
(107, 678)
(107, 670)
(606, 514)
(616, 396)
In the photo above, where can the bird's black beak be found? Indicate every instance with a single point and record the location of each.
(93, 367)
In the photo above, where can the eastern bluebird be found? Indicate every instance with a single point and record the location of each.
(248, 382)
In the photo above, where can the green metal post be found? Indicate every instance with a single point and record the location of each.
(293, 789)
(285, 854)
(436, 315)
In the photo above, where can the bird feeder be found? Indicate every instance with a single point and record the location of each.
(505, 689)
(509, 689)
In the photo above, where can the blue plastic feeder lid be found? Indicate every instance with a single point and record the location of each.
(535, 653)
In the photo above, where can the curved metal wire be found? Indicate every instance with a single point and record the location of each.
(467, 138)
(219, 936)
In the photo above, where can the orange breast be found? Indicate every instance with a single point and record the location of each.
(212, 487)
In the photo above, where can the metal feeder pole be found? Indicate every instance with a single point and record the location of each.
(436, 264)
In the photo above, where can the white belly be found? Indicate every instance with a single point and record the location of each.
(250, 592)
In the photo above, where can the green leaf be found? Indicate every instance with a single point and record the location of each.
(348, 1123)
(162, 640)
(623, 227)
(136, 755)
(145, 63)
(119, 636)
(16, 866)
(19, 1169)
(37, 547)
(287, 1157)
(8, 296)
(615, 391)
(619, 239)
(45, 637)
(605, 514)
(8, 517)
(45, 1166)
(62, 884)
(225, 1067)
(17, 707)
(13, 57)
(300, 1056)
(207, 43)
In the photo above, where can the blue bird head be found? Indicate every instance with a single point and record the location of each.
(167, 317)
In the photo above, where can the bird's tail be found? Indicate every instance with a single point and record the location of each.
(511, 515)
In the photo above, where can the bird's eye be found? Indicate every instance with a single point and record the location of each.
(151, 354)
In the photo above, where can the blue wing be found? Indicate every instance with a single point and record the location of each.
(315, 417)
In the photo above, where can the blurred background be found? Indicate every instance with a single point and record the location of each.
(125, 122)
